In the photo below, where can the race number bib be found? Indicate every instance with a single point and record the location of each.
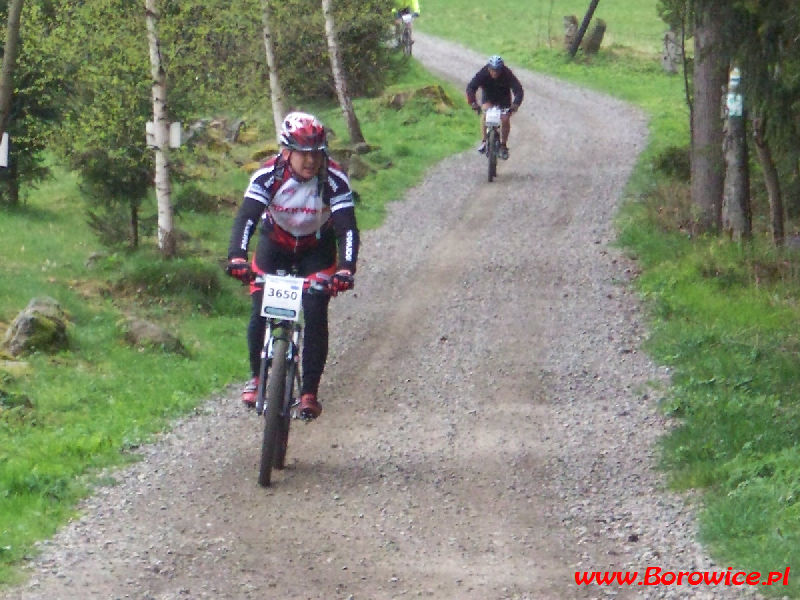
(493, 116)
(283, 297)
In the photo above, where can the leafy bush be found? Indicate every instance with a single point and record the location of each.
(302, 51)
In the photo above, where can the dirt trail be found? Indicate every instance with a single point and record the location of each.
(487, 427)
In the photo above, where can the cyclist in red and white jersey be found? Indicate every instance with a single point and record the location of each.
(304, 204)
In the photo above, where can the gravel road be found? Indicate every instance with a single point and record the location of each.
(489, 423)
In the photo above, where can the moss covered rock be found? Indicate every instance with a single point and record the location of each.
(41, 327)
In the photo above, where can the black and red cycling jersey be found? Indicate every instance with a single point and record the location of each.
(295, 214)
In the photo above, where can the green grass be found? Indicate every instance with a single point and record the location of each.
(509, 27)
(724, 319)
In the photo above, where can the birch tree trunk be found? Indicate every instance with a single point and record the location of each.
(339, 78)
(275, 89)
(771, 180)
(166, 231)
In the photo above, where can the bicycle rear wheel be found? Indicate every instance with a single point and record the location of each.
(491, 153)
(276, 390)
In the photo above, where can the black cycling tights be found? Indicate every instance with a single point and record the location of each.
(315, 338)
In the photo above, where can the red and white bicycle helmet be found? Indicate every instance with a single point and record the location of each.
(303, 132)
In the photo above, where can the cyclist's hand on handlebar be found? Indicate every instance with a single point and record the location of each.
(341, 281)
(476, 107)
(240, 269)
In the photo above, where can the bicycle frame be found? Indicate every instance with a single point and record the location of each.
(492, 122)
(290, 329)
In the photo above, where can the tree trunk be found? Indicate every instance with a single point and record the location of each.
(12, 184)
(7, 88)
(275, 89)
(687, 88)
(708, 165)
(736, 212)
(587, 18)
(771, 180)
(9, 62)
(672, 56)
(166, 231)
(134, 223)
(356, 137)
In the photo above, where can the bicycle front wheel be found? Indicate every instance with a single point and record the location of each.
(276, 389)
(491, 152)
(285, 420)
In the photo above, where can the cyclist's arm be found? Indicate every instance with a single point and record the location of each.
(244, 226)
(516, 89)
(472, 88)
(344, 224)
(343, 216)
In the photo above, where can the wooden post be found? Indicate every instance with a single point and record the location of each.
(584, 26)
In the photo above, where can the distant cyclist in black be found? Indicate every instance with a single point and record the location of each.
(498, 83)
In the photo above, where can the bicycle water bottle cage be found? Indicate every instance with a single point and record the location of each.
(493, 116)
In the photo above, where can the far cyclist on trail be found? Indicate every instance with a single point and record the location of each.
(498, 83)
(305, 205)
(404, 7)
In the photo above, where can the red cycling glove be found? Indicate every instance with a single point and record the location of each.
(342, 281)
(240, 269)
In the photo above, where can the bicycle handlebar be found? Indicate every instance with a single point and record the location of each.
(310, 286)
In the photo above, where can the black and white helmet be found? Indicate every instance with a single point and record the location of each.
(495, 62)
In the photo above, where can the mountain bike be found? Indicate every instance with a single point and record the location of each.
(492, 122)
(406, 40)
(279, 372)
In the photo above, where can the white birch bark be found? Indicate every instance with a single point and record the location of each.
(275, 89)
(340, 81)
(166, 231)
